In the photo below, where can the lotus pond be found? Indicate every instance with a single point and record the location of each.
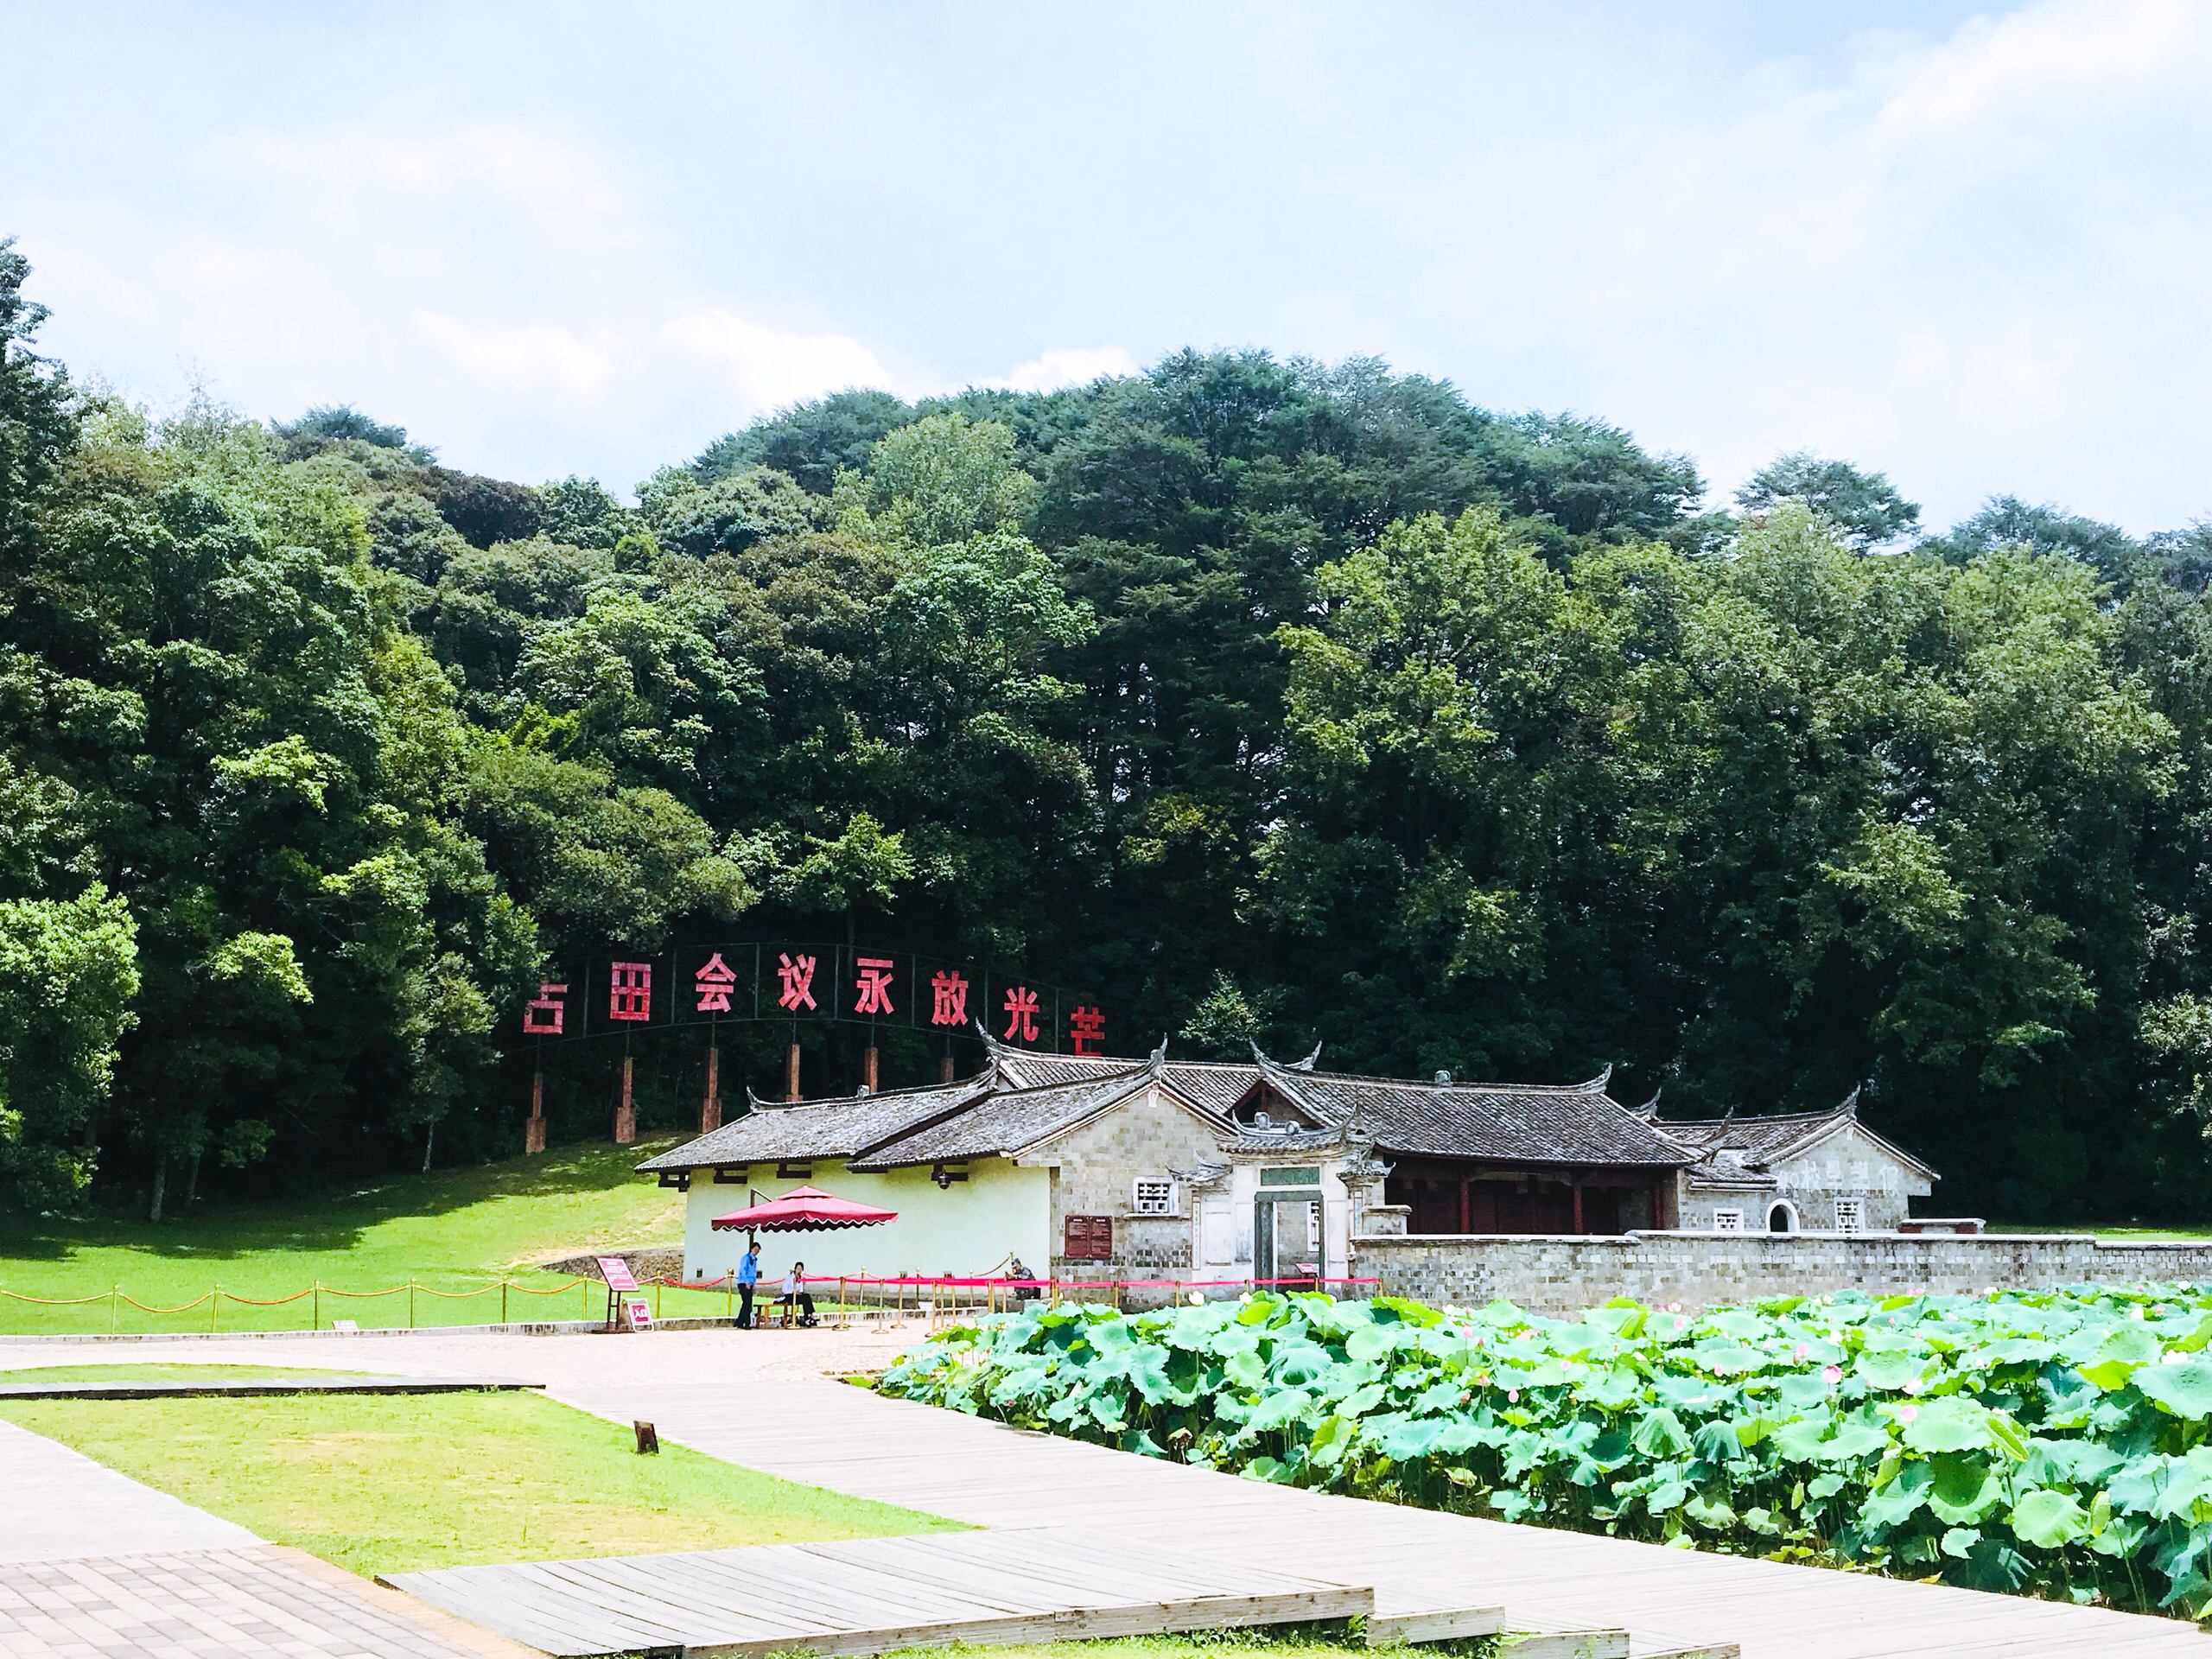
(2051, 1443)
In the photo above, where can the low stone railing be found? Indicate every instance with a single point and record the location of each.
(1554, 1273)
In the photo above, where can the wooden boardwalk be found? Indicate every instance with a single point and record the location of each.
(831, 1434)
(258, 1602)
(873, 1595)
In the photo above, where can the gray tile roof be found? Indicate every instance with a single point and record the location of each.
(1008, 1122)
(1539, 1123)
(1575, 1123)
(1210, 1085)
(1774, 1138)
(1022, 1096)
(843, 1128)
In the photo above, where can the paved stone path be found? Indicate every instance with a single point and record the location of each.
(61, 1504)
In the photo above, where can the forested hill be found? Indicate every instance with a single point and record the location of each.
(1274, 700)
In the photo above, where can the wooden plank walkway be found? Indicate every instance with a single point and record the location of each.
(259, 1602)
(828, 1434)
(873, 1595)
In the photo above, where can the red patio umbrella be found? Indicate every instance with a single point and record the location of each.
(803, 1210)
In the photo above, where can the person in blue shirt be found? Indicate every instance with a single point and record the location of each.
(748, 1275)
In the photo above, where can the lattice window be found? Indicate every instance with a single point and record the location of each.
(1849, 1215)
(1150, 1196)
(1727, 1221)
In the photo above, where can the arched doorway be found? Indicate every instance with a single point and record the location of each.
(1782, 1217)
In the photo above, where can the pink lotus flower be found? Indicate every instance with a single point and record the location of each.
(1832, 1373)
(1906, 1413)
(1512, 1396)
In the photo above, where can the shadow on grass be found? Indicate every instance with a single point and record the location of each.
(335, 1221)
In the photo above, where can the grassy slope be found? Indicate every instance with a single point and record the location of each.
(453, 1230)
(385, 1484)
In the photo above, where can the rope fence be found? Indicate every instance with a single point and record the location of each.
(940, 1299)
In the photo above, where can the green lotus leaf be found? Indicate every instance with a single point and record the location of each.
(1964, 1490)
(1804, 1440)
(2048, 1518)
(2184, 1389)
(1950, 1424)
(1277, 1409)
(1612, 1389)
(1711, 1512)
(2118, 1354)
(1889, 1370)
(1658, 1433)
(1370, 1342)
(1734, 1322)
(1246, 1371)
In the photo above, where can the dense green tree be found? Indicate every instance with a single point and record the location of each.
(812, 442)
(69, 966)
(37, 422)
(1866, 508)
(2007, 521)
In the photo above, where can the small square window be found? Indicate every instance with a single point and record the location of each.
(1153, 1198)
(1849, 1215)
(1727, 1221)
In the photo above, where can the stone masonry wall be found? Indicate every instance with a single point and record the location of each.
(1700, 1270)
(1095, 1166)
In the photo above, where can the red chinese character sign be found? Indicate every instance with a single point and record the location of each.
(873, 983)
(630, 991)
(947, 999)
(541, 1015)
(712, 985)
(797, 974)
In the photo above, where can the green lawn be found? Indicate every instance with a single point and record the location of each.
(386, 1483)
(2117, 1235)
(453, 1232)
(15, 1371)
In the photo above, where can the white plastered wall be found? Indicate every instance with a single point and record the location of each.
(966, 1228)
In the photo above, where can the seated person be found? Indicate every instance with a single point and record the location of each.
(795, 1293)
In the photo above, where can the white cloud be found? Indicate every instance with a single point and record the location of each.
(766, 368)
(1068, 366)
(529, 361)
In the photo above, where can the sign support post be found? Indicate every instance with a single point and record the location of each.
(625, 1115)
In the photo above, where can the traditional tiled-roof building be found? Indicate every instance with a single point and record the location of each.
(1199, 1171)
(1798, 1171)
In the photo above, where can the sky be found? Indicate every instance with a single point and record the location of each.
(1967, 247)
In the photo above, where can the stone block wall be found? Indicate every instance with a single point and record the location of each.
(1700, 1270)
(654, 1261)
(1094, 1169)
